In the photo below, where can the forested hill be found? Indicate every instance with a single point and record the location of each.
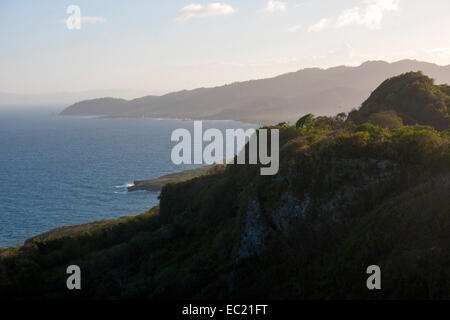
(348, 195)
(411, 98)
(269, 101)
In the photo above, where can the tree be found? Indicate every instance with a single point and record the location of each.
(305, 121)
(341, 116)
(387, 119)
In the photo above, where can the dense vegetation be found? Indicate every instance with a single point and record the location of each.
(411, 98)
(349, 194)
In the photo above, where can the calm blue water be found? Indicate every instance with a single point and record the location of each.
(57, 171)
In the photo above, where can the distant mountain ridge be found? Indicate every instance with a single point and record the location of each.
(284, 97)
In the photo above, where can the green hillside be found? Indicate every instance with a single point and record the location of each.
(412, 97)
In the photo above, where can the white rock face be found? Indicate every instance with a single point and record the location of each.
(360, 175)
(254, 234)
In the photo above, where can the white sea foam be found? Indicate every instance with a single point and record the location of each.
(127, 192)
(126, 185)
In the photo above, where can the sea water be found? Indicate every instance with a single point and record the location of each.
(57, 171)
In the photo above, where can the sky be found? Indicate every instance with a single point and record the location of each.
(159, 46)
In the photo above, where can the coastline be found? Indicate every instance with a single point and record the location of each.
(108, 189)
(176, 118)
(102, 116)
(153, 185)
(156, 184)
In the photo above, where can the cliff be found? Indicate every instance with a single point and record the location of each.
(342, 200)
(348, 195)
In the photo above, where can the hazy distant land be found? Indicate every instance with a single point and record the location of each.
(282, 98)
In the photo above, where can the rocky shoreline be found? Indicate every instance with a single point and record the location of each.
(157, 184)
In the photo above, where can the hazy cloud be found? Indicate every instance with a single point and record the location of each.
(319, 26)
(370, 15)
(88, 19)
(92, 19)
(294, 28)
(198, 10)
(275, 6)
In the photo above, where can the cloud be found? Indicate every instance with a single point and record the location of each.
(388, 5)
(370, 15)
(275, 6)
(87, 19)
(92, 19)
(198, 10)
(319, 26)
(348, 17)
(294, 28)
(442, 52)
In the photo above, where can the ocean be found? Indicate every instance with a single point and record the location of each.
(57, 171)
